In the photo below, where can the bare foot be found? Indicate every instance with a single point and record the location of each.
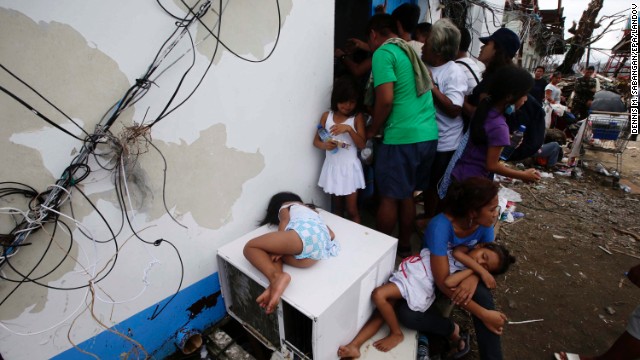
(349, 351)
(389, 342)
(277, 288)
(263, 299)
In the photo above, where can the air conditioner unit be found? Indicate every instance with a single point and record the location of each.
(324, 306)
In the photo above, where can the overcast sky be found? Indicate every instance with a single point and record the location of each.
(573, 11)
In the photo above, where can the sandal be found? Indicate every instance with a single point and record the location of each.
(466, 337)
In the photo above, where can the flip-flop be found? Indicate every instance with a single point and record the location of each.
(568, 356)
(466, 337)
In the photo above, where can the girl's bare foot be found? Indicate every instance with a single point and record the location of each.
(263, 299)
(349, 351)
(389, 342)
(277, 287)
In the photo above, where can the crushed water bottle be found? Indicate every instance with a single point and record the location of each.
(516, 137)
(325, 136)
(366, 154)
(423, 347)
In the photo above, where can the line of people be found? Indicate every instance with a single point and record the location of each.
(440, 127)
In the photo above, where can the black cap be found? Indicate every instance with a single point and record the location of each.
(505, 39)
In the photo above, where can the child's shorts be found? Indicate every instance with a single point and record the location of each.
(316, 241)
(415, 282)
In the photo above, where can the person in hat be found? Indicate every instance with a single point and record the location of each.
(497, 52)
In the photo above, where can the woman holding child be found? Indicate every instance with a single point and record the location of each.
(458, 253)
(471, 210)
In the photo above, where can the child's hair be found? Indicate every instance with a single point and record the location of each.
(465, 39)
(511, 82)
(344, 89)
(384, 24)
(273, 209)
(407, 15)
(506, 259)
(423, 29)
(471, 194)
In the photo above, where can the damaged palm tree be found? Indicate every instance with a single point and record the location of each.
(583, 34)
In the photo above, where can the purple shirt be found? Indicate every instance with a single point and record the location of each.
(473, 161)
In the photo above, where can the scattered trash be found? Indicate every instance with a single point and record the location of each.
(540, 187)
(545, 175)
(523, 322)
(603, 318)
(602, 170)
(610, 310)
(576, 173)
(520, 166)
(605, 250)
(559, 237)
(562, 173)
(509, 194)
(589, 201)
(597, 234)
(517, 215)
(625, 188)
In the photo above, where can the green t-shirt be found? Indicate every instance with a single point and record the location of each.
(412, 118)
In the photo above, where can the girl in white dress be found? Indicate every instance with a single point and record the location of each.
(342, 174)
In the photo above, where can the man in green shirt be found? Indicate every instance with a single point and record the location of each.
(403, 111)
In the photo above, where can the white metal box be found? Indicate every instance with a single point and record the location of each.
(325, 305)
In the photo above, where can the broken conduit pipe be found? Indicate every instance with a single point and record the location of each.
(188, 340)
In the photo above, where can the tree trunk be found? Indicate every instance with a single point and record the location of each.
(582, 37)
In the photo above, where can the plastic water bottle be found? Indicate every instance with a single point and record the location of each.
(366, 154)
(516, 137)
(325, 136)
(423, 347)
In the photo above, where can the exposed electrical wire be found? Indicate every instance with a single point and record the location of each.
(111, 154)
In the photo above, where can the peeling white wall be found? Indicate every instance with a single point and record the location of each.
(245, 134)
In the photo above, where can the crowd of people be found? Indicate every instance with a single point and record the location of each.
(439, 126)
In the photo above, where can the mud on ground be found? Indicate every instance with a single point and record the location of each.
(574, 244)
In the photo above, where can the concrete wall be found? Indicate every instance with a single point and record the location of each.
(245, 134)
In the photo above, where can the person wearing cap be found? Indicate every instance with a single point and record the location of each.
(498, 51)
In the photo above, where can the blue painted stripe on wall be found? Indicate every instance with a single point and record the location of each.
(197, 307)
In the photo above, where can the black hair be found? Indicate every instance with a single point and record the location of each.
(540, 67)
(465, 39)
(344, 89)
(591, 68)
(472, 194)
(504, 257)
(384, 24)
(273, 209)
(500, 59)
(407, 15)
(423, 28)
(511, 82)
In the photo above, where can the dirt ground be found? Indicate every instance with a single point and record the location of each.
(573, 245)
(577, 238)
